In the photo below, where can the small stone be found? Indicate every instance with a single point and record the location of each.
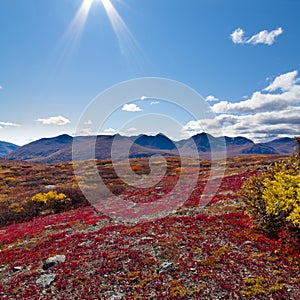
(17, 268)
(50, 187)
(248, 243)
(166, 266)
(54, 260)
(45, 280)
(116, 296)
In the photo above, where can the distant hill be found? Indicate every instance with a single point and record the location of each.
(6, 148)
(59, 149)
(45, 150)
(283, 145)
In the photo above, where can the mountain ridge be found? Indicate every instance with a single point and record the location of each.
(59, 148)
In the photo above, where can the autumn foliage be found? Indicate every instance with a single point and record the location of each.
(272, 198)
(195, 252)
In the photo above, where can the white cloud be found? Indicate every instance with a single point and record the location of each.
(283, 82)
(88, 122)
(237, 36)
(211, 98)
(262, 117)
(59, 120)
(131, 129)
(257, 126)
(261, 101)
(131, 107)
(263, 37)
(144, 98)
(9, 124)
(154, 102)
(86, 132)
(110, 130)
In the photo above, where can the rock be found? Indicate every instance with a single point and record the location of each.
(116, 296)
(17, 268)
(45, 280)
(166, 266)
(54, 260)
(50, 187)
(248, 243)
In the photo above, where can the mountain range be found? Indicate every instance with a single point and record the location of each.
(59, 149)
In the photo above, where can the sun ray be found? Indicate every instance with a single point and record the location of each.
(128, 45)
(72, 35)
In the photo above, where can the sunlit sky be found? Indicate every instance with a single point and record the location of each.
(243, 57)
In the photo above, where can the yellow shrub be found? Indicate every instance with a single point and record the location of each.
(282, 195)
(254, 286)
(272, 198)
(51, 196)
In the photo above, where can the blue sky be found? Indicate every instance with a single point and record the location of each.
(243, 56)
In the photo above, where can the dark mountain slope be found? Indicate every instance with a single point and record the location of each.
(6, 148)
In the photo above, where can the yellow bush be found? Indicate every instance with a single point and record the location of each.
(51, 196)
(254, 286)
(282, 195)
(272, 198)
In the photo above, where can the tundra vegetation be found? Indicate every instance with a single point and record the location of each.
(243, 245)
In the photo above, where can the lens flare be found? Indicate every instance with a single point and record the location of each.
(129, 47)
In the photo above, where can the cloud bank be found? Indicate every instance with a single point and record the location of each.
(271, 113)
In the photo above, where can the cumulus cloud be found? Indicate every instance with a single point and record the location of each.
(59, 120)
(211, 98)
(131, 107)
(289, 94)
(283, 82)
(237, 36)
(263, 37)
(9, 124)
(257, 126)
(268, 114)
(110, 130)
